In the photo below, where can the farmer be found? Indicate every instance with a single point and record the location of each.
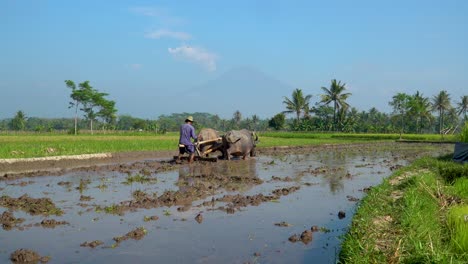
(187, 131)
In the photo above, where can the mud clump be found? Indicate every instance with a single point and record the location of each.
(40, 206)
(341, 214)
(64, 183)
(352, 198)
(27, 256)
(306, 236)
(52, 223)
(286, 179)
(151, 218)
(135, 234)
(283, 224)
(8, 221)
(92, 244)
(294, 238)
(235, 202)
(85, 198)
(285, 191)
(199, 218)
(23, 183)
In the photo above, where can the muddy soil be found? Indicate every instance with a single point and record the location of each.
(211, 212)
(129, 161)
(27, 256)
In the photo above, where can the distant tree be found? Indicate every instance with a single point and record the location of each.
(277, 122)
(108, 112)
(335, 94)
(93, 103)
(255, 121)
(19, 121)
(463, 107)
(451, 120)
(237, 118)
(441, 103)
(400, 104)
(323, 119)
(297, 104)
(420, 108)
(78, 96)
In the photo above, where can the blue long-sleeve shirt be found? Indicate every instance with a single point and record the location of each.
(187, 131)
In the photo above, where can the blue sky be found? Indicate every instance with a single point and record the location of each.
(144, 53)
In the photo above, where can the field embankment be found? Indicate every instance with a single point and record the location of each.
(418, 215)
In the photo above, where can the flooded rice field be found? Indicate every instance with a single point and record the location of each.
(283, 206)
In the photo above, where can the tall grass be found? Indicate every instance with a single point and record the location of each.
(457, 220)
(460, 188)
(463, 137)
(403, 220)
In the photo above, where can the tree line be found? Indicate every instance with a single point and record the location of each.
(331, 113)
(411, 113)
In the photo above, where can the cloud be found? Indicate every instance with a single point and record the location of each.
(135, 66)
(196, 55)
(160, 13)
(161, 33)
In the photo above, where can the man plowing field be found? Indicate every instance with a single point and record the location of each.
(187, 132)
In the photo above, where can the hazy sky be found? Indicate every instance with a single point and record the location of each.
(144, 53)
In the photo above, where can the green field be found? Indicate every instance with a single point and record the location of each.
(27, 145)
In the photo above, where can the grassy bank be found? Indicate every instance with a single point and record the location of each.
(412, 217)
(27, 145)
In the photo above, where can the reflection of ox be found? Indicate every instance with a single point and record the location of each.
(239, 143)
(220, 175)
(208, 141)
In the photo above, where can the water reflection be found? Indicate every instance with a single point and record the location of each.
(228, 175)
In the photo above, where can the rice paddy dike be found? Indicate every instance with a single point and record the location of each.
(418, 215)
(288, 204)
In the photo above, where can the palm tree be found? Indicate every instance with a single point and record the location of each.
(400, 105)
(335, 94)
(441, 103)
(297, 104)
(420, 107)
(463, 106)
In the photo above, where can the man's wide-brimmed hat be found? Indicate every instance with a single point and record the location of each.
(189, 118)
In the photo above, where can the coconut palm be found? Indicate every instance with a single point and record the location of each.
(420, 108)
(463, 106)
(400, 105)
(335, 94)
(297, 104)
(441, 103)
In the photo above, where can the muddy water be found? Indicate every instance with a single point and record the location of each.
(222, 212)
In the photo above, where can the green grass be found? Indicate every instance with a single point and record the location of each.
(463, 137)
(138, 179)
(27, 145)
(458, 223)
(403, 220)
(460, 188)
